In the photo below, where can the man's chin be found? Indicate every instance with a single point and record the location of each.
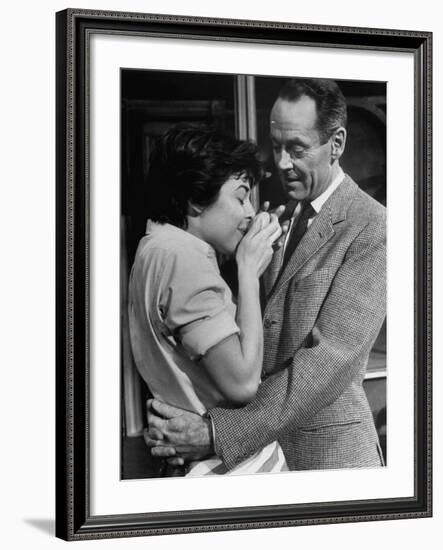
(295, 190)
(295, 194)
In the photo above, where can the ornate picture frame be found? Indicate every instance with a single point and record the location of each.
(75, 517)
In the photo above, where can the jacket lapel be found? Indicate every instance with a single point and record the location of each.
(271, 273)
(319, 233)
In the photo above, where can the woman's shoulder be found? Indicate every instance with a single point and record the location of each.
(163, 238)
(170, 244)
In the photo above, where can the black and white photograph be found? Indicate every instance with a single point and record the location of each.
(252, 274)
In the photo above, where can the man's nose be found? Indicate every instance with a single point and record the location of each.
(284, 161)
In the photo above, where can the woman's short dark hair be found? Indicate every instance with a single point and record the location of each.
(329, 100)
(189, 164)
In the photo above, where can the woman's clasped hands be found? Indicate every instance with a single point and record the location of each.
(264, 235)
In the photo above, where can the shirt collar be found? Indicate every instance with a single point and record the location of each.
(172, 230)
(318, 203)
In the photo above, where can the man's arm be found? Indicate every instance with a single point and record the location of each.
(343, 335)
(346, 328)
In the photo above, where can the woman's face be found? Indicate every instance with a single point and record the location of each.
(224, 223)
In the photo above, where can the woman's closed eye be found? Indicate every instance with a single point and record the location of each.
(242, 196)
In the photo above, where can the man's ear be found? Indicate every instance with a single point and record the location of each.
(338, 142)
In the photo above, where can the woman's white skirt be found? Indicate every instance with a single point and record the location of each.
(268, 459)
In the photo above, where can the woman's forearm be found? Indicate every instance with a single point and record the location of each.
(234, 364)
(249, 321)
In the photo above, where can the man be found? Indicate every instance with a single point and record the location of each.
(325, 304)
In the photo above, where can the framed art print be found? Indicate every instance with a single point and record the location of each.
(126, 80)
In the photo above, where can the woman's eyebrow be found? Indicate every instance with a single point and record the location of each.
(243, 187)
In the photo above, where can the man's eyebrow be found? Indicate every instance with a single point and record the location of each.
(290, 142)
(295, 141)
(243, 187)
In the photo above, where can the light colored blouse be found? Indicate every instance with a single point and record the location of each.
(179, 307)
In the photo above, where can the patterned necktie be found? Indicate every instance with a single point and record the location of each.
(297, 232)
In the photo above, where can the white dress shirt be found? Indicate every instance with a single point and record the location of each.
(317, 204)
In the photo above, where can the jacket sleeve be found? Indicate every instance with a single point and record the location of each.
(342, 337)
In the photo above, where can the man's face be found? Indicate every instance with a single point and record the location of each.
(303, 163)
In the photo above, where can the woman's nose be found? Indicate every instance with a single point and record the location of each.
(249, 210)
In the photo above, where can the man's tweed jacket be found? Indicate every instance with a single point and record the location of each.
(322, 316)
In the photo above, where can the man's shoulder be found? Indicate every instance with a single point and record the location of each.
(363, 207)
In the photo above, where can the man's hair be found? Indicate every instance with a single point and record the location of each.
(189, 164)
(329, 100)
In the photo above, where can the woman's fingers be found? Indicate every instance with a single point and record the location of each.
(277, 230)
(263, 219)
(279, 210)
(260, 221)
(273, 229)
(275, 236)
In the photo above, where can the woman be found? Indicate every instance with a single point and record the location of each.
(191, 344)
